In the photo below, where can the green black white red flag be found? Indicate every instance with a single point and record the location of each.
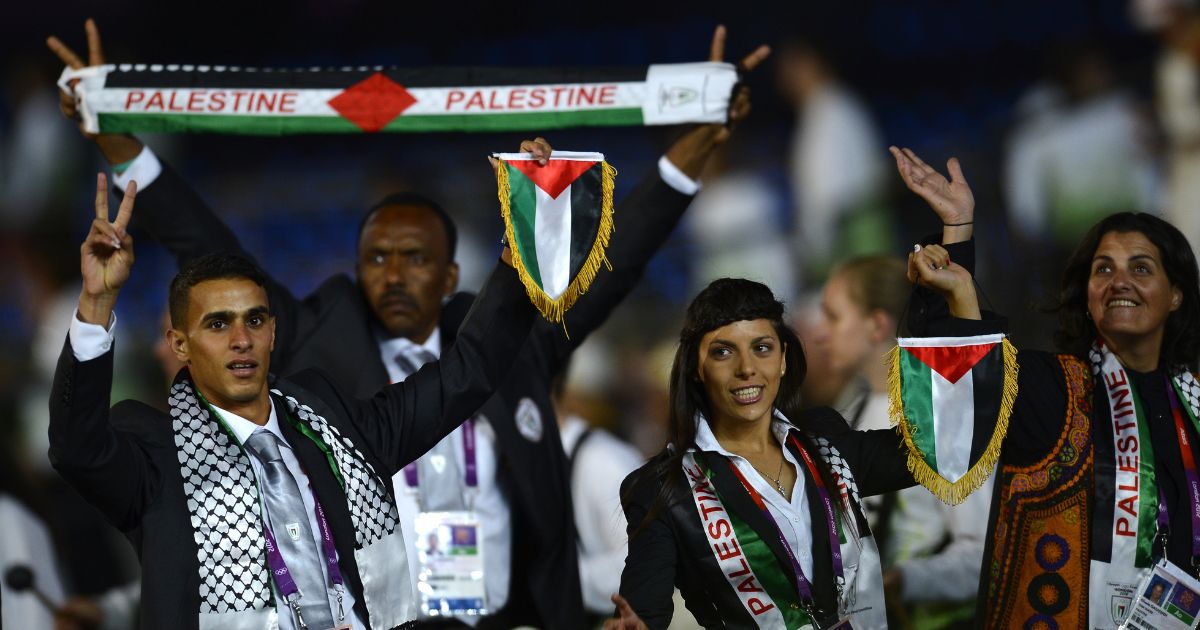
(131, 98)
(952, 398)
(557, 218)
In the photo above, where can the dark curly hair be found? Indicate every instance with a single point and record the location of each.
(1181, 339)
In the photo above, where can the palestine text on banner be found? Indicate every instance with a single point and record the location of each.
(130, 98)
(557, 220)
(952, 398)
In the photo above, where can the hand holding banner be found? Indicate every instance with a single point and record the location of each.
(558, 217)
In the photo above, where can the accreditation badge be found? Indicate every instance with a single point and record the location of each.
(1167, 599)
(450, 555)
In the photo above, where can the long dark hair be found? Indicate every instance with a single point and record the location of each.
(1181, 338)
(722, 302)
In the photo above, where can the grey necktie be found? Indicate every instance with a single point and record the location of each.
(289, 524)
(441, 484)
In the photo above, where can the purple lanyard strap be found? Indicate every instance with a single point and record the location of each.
(470, 475)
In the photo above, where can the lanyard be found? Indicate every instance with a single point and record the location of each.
(283, 576)
(470, 475)
(1189, 468)
(803, 586)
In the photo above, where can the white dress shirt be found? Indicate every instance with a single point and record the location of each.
(489, 503)
(791, 514)
(25, 540)
(89, 341)
(600, 464)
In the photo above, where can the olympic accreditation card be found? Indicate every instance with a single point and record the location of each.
(450, 552)
(1168, 599)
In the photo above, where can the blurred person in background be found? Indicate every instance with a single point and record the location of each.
(1177, 96)
(1080, 149)
(396, 312)
(835, 169)
(598, 461)
(918, 535)
(26, 540)
(749, 243)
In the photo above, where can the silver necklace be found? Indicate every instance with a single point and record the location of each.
(776, 479)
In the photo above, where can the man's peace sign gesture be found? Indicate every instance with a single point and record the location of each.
(106, 255)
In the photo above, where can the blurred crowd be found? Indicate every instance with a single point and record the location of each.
(1060, 115)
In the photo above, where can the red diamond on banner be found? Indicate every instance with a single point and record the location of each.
(373, 102)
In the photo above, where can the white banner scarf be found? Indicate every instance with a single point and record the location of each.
(156, 98)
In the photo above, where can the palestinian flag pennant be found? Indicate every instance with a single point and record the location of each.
(156, 98)
(557, 219)
(952, 397)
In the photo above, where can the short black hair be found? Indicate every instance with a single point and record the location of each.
(1181, 338)
(209, 267)
(410, 198)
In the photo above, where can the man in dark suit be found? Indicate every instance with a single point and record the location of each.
(394, 314)
(258, 502)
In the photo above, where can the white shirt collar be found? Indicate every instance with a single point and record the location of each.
(706, 441)
(391, 347)
(242, 428)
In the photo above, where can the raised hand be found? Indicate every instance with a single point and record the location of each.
(106, 256)
(116, 148)
(626, 619)
(539, 148)
(739, 108)
(930, 266)
(951, 199)
(67, 102)
(691, 151)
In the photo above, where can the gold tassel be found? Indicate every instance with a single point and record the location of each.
(555, 309)
(944, 490)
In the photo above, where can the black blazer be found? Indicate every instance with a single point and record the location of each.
(333, 329)
(126, 464)
(671, 550)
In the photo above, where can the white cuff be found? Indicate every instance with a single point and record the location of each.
(672, 176)
(144, 169)
(89, 341)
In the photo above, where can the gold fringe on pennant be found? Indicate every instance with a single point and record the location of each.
(554, 309)
(958, 491)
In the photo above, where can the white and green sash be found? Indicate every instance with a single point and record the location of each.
(755, 575)
(1113, 585)
(155, 98)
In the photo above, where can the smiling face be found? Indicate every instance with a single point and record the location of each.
(1129, 295)
(226, 342)
(740, 365)
(404, 269)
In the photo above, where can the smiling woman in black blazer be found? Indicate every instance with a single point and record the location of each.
(753, 509)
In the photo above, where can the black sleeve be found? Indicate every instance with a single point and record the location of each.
(406, 419)
(175, 215)
(928, 314)
(1040, 409)
(648, 580)
(641, 223)
(109, 468)
(877, 458)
